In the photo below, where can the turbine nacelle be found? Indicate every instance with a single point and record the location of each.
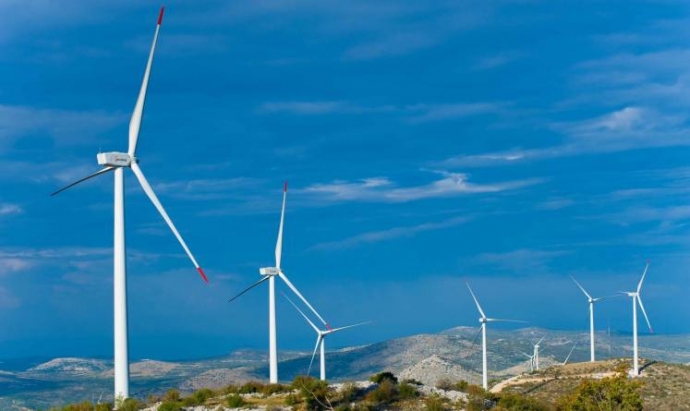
(270, 271)
(115, 159)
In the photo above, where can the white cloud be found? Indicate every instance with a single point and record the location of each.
(415, 113)
(381, 189)
(523, 261)
(10, 209)
(64, 126)
(389, 234)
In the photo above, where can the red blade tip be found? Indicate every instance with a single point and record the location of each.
(202, 273)
(285, 187)
(329, 327)
(160, 16)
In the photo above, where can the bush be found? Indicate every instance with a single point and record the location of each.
(479, 399)
(170, 406)
(349, 392)
(291, 399)
(611, 393)
(517, 402)
(435, 403)
(131, 404)
(172, 395)
(384, 393)
(444, 384)
(251, 387)
(407, 391)
(312, 392)
(234, 401)
(461, 386)
(271, 389)
(380, 377)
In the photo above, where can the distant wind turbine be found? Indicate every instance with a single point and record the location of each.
(269, 273)
(531, 361)
(320, 339)
(591, 300)
(637, 299)
(483, 320)
(536, 353)
(117, 162)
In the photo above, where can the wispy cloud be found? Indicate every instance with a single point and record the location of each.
(381, 189)
(415, 113)
(389, 234)
(206, 189)
(625, 129)
(10, 209)
(64, 126)
(498, 60)
(523, 261)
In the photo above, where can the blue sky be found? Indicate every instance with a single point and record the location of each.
(427, 144)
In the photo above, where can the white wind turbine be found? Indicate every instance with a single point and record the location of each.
(320, 339)
(117, 162)
(536, 353)
(269, 273)
(483, 320)
(531, 361)
(637, 299)
(591, 301)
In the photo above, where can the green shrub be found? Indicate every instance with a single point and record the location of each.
(444, 384)
(610, 393)
(312, 392)
(435, 403)
(231, 389)
(271, 389)
(380, 377)
(251, 387)
(234, 401)
(131, 404)
(170, 406)
(461, 386)
(349, 392)
(172, 395)
(407, 391)
(385, 393)
(517, 402)
(292, 399)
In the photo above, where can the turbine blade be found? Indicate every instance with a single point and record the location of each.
(502, 320)
(639, 301)
(639, 286)
(154, 199)
(332, 330)
(301, 297)
(316, 347)
(303, 314)
(569, 354)
(97, 173)
(249, 288)
(539, 342)
(135, 121)
(476, 302)
(279, 243)
(581, 287)
(474, 340)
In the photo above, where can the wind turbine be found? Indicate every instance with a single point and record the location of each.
(117, 162)
(591, 301)
(269, 273)
(637, 299)
(483, 320)
(531, 361)
(536, 353)
(320, 339)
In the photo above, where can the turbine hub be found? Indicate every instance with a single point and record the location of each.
(269, 271)
(115, 159)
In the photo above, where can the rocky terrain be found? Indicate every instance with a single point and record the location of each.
(451, 355)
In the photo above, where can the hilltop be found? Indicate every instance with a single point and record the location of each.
(451, 355)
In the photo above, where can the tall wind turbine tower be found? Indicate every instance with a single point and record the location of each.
(117, 162)
(591, 300)
(536, 353)
(637, 299)
(483, 320)
(269, 273)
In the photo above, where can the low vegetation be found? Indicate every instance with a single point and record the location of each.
(565, 390)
